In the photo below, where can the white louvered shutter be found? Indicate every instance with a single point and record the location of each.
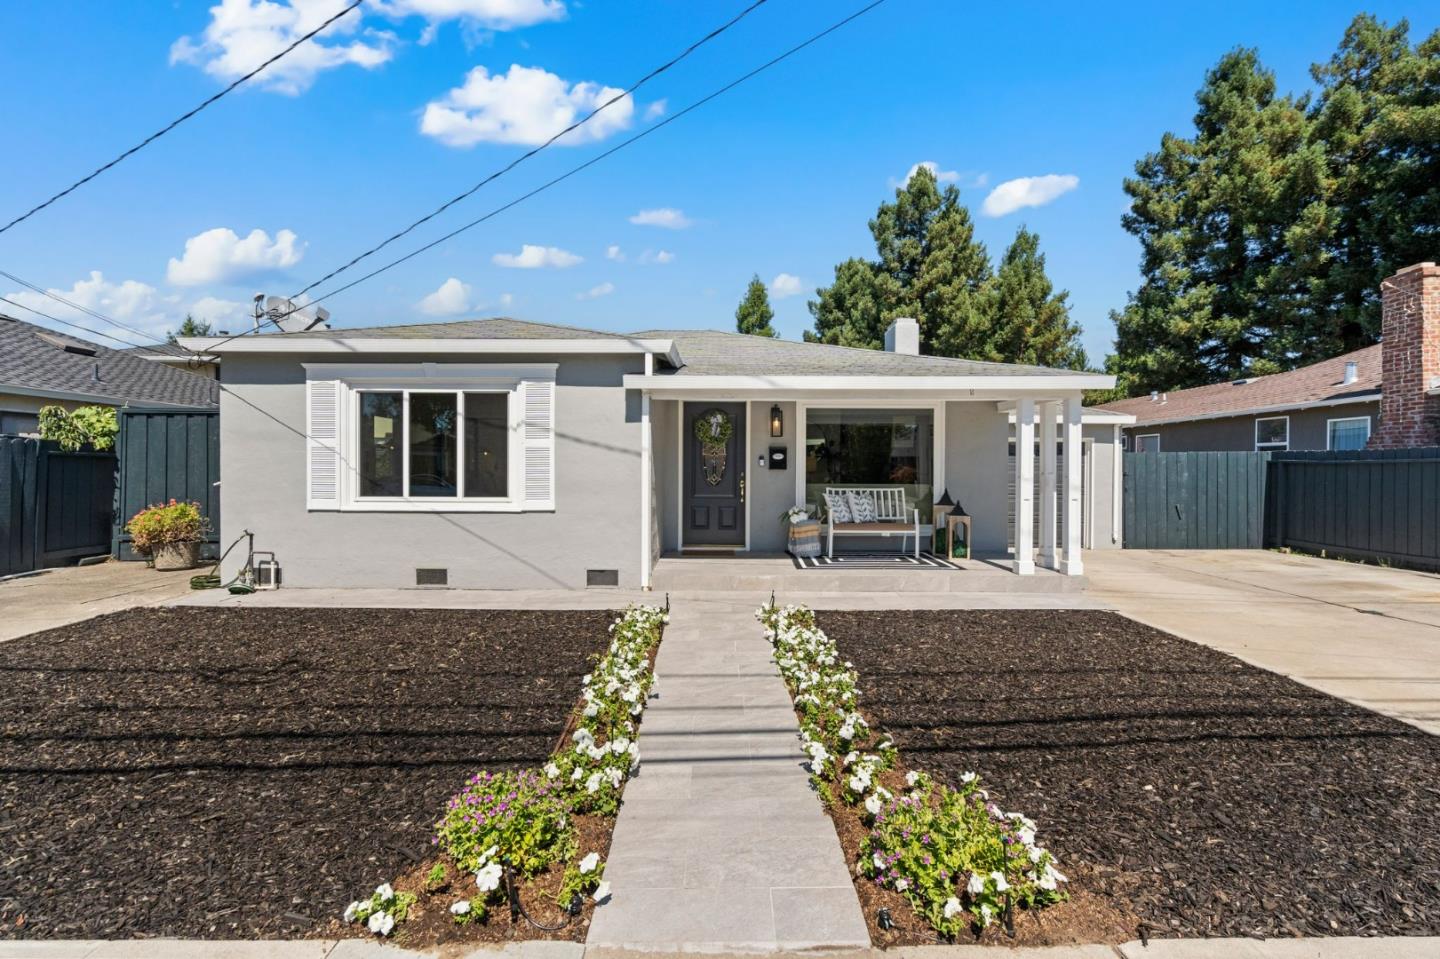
(322, 444)
(538, 439)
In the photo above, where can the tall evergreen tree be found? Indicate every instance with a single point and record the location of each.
(1031, 322)
(189, 327)
(753, 315)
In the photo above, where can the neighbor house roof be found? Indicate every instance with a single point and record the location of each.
(1319, 384)
(498, 328)
(36, 361)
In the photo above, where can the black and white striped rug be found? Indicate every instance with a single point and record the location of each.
(874, 561)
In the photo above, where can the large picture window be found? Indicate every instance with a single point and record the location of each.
(870, 447)
(434, 445)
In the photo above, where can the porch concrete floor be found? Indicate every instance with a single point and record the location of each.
(721, 844)
(764, 572)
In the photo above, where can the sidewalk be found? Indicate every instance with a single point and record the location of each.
(721, 845)
(57, 597)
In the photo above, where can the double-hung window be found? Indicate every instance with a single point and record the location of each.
(1272, 433)
(431, 437)
(1350, 433)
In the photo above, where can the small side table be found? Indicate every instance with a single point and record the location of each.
(804, 538)
(951, 522)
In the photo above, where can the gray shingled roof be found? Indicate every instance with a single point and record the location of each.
(499, 328)
(34, 358)
(713, 353)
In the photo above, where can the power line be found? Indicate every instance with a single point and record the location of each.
(92, 332)
(179, 120)
(73, 305)
(530, 153)
(275, 319)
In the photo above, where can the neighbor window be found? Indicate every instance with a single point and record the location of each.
(1147, 443)
(870, 447)
(412, 445)
(1272, 433)
(1351, 433)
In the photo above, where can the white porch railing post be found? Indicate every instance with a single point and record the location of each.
(1071, 564)
(1048, 413)
(1025, 487)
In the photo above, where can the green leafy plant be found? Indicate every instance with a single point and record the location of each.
(166, 523)
(382, 911)
(87, 425)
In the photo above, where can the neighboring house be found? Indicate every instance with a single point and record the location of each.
(39, 367)
(177, 357)
(504, 454)
(1385, 396)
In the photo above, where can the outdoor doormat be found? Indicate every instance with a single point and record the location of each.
(245, 773)
(890, 561)
(1206, 796)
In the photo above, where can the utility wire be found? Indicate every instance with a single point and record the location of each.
(534, 150)
(179, 120)
(77, 326)
(74, 306)
(277, 318)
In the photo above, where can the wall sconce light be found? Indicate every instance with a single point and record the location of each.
(777, 421)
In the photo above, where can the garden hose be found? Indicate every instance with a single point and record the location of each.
(211, 580)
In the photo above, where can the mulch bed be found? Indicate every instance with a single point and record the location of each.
(1209, 797)
(245, 773)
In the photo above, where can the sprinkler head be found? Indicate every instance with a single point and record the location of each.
(884, 920)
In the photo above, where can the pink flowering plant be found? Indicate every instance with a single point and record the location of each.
(957, 857)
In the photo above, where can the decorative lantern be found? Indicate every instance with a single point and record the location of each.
(777, 421)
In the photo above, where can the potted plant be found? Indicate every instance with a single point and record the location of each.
(169, 533)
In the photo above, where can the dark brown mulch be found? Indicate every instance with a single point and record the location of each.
(246, 773)
(1211, 797)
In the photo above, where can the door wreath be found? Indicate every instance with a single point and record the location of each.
(713, 430)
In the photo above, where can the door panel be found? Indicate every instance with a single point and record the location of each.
(714, 479)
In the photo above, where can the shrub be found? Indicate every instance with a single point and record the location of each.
(95, 425)
(164, 523)
(522, 813)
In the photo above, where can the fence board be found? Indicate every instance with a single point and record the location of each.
(168, 454)
(54, 505)
(1194, 500)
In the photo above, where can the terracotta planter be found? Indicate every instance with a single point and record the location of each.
(176, 556)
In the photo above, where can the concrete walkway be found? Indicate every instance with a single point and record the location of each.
(58, 597)
(721, 844)
(1366, 634)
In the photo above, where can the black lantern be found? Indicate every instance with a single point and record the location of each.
(945, 499)
(777, 421)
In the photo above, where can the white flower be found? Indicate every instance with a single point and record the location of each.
(976, 885)
(593, 783)
(1051, 878)
(912, 777)
(1000, 884)
(592, 709)
(952, 907)
(351, 910)
(986, 913)
(602, 891)
(620, 745)
(385, 892)
(968, 778)
(551, 770)
(901, 885)
(575, 774)
(589, 863)
(873, 805)
(460, 908)
(376, 923)
(488, 878)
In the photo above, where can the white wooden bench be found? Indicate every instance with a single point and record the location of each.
(891, 517)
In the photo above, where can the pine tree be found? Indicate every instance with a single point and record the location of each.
(753, 315)
(189, 327)
(1031, 322)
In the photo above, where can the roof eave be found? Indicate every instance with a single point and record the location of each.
(282, 343)
(1032, 383)
(1372, 396)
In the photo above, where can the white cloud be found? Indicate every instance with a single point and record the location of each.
(222, 314)
(526, 106)
(661, 257)
(242, 34)
(613, 252)
(786, 284)
(507, 298)
(665, 216)
(966, 179)
(221, 256)
(1026, 191)
(655, 110)
(941, 176)
(136, 304)
(532, 256)
(595, 292)
(451, 298)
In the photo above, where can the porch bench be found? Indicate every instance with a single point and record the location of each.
(891, 517)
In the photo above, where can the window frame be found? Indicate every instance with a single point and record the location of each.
(455, 379)
(1330, 425)
(1146, 436)
(1271, 447)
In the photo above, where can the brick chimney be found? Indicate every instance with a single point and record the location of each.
(1409, 359)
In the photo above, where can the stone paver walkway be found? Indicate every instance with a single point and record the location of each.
(721, 844)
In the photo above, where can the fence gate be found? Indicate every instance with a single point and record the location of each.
(1195, 500)
(54, 506)
(168, 454)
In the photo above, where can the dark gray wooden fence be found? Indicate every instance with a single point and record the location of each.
(54, 506)
(1376, 505)
(168, 454)
(1195, 500)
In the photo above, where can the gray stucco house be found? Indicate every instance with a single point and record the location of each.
(506, 454)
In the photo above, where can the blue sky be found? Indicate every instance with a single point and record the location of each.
(777, 177)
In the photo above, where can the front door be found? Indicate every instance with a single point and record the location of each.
(714, 474)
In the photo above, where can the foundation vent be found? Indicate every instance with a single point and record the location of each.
(602, 577)
(432, 577)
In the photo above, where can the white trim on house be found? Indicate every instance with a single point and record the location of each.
(281, 343)
(1273, 446)
(1135, 440)
(960, 387)
(1370, 397)
(647, 481)
(1330, 424)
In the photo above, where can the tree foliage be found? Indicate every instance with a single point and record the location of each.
(92, 425)
(754, 315)
(189, 327)
(929, 266)
(1266, 232)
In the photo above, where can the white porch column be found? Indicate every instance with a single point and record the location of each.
(647, 480)
(1025, 487)
(1049, 412)
(1071, 564)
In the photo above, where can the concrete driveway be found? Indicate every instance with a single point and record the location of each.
(1363, 633)
(55, 597)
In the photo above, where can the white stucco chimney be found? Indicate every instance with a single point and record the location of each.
(903, 336)
(1352, 372)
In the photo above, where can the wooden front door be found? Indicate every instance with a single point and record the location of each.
(714, 474)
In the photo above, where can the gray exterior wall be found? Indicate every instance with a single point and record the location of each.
(1237, 433)
(770, 492)
(977, 465)
(595, 525)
